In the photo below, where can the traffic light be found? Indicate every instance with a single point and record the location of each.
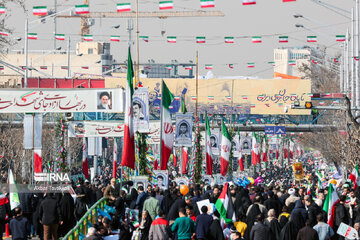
(308, 105)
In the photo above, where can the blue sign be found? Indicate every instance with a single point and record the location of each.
(269, 130)
(274, 130)
(280, 130)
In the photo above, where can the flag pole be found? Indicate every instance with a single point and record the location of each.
(197, 84)
(137, 78)
(181, 161)
(32, 151)
(161, 120)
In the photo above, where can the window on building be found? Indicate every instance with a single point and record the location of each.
(90, 51)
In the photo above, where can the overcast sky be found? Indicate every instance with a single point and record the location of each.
(267, 17)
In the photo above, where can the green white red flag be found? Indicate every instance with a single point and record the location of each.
(251, 65)
(4, 34)
(163, 5)
(225, 149)
(256, 39)
(123, 7)
(331, 200)
(311, 39)
(264, 151)
(209, 155)
(255, 154)
(249, 2)
(40, 11)
(60, 37)
(283, 39)
(208, 66)
(85, 163)
(292, 63)
(2, 10)
(88, 38)
(207, 3)
(200, 40)
(355, 177)
(14, 196)
(144, 38)
(128, 154)
(115, 38)
(229, 39)
(171, 39)
(340, 38)
(224, 205)
(32, 36)
(167, 131)
(82, 9)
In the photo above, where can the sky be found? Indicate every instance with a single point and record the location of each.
(268, 18)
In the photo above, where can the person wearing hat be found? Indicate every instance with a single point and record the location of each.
(110, 192)
(292, 198)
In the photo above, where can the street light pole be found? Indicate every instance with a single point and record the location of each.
(26, 52)
(68, 58)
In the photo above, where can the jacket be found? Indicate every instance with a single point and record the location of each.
(259, 232)
(174, 210)
(300, 208)
(19, 227)
(184, 227)
(324, 231)
(203, 223)
(158, 229)
(50, 211)
(291, 199)
(152, 205)
(27, 202)
(307, 233)
(110, 192)
(140, 201)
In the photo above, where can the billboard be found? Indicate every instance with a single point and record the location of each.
(225, 96)
(64, 100)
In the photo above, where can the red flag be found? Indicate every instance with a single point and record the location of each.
(286, 153)
(37, 161)
(174, 155)
(115, 159)
(156, 165)
(241, 163)
(185, 159)
(85, 166)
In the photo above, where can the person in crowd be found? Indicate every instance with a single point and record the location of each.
(259, 231)
(203, 222)
(27, 202)
(307, 232)
(152, 205)
(92, 234)
(50, 216)
(4, 210)
(190, 212)
(19, 225)
(110, 191)
(284, 217)
(272, 222)
(240, 224)
(323, 229)
(142, 196)
(159, 228)
(183, 226)
(67, 210)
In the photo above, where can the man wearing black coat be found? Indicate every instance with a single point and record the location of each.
(67, 211)
(260, 231)
(313, 211)
(273, 203)
(27, 204)
(341, 214)
(178, 204)
(50, 216)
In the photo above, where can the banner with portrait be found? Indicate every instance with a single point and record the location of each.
(245, 141)
(61, 100)
(236, 146)
(140, 181)
(141, 110)
(182, 181)
(215, 141)
(161, 179)
(183, 130)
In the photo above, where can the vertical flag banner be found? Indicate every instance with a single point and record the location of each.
(37, 161)
(128, 154)
(355, 177)
(94, 146)
(140, 107)
(209, 155)
(167, 131)
(32, 131)
(207, 3)
(255, 155)
(184, 125)
(123, 7)
(225, 149)
(331, 200)
(14, 196)
(115, 152)
(85, 163)
(185, 153)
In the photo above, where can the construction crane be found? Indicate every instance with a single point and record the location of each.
(85, 24)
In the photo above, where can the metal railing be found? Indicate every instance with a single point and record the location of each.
(89, 216)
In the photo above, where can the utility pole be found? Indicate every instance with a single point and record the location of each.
(352, 51)
(130, 27)
(356, 97)
(68, 58)
(26, 52)
(55, 30)
(346, 49)
(137, 45)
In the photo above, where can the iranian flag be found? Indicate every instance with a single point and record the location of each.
(2, 10)
(292, 63)
(85, 165)
(355, 177)
(193, 98)
(207, 3)
(123, 7)
(331, 200)
(289, 0)
(356, 58)
(14, 196)
(200, 40)
(231, 66)
(211, 97)
(3, 199)
(37, 161)
(32, 36)
(40, 10)
(167, 131)
(311, 39)
(314, 61)
(224, 205)
(340, 38)
(256, 39)
(144, 38)
(168, 67)
(251, 65)
(163, 5)
(82, 9)
(185, 153)
(115, 38)
(336, 60)
(209, 155)
(60, 37)
(225, 149)
(255, 155)
(88, 38)
(208, 66)
(84, 67)
(272, 63)
(264, 152)
(4, 34)
(283, 39)
(249, 2)
(128, 154)
(188, 67)
(229, 39)
(115, 159)
(291, 148)
(171, 39)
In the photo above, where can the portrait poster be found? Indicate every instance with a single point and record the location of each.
(181, 181)
(220, 179)
(207, 179)
(183, 130)
(141, 110)
(140, 181)
(236, 146)
(161, 179)
(245, 145)
(215, 141)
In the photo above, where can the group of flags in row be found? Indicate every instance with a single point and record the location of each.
(46, 67)
(126, 7)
